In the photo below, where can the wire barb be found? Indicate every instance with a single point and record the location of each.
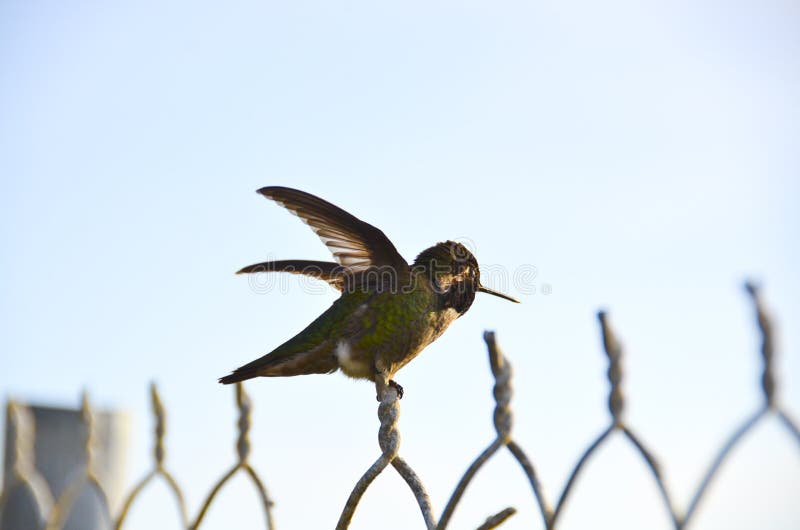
(160, 428)
(24, 436)
(87, 414)
(502, 391)
(613, 349)
(245, 406)
(767, 343)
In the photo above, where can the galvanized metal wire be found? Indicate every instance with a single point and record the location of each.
(158, 470)
(770, 405)
(616, 407)
(389, 442)
(54, 514)
(503, 423)
(244, 405)
(24, 474)
(85, 476)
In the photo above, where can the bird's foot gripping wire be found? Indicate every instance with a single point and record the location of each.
(399, 389)
(396, 386)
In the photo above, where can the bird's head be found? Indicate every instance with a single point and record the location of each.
(453, 274)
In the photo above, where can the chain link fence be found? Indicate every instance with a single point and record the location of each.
(54, 512)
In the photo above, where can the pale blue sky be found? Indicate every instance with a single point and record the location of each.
(643, 156)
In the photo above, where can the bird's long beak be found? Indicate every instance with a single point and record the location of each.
(482, 289)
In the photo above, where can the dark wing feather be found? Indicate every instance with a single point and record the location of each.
(355, 244)
(333, 273)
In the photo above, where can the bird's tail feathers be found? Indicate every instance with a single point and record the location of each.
(239, 375)
(282, 364)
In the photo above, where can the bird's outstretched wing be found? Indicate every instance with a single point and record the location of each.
(356, 245)
(333, 273)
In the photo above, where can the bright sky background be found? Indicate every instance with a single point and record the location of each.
(643, 156)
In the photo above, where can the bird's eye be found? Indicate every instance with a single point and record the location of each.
(459, 252)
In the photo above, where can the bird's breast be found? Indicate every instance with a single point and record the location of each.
(439, 321)
(356, 366)
(387, 333)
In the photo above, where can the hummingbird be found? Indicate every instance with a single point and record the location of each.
(388, 311)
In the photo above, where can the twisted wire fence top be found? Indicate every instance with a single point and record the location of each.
(158, 470)
(24, 434)
(161, 425)
(85, 476)
(768, 385)
(244, 406)
(503, 420)
(389, 443)
(767, 343)
(24, 472)
(613, 349)
(25, 475)
(87, 415)
(503, 423)
(502, 417)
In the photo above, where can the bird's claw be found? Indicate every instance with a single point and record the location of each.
(397, 388)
